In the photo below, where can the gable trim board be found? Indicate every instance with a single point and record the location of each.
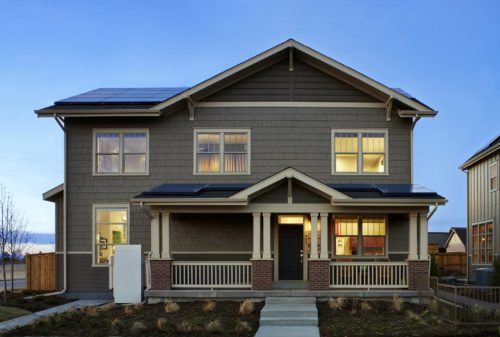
(392, 94)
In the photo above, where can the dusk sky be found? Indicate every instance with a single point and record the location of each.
(445, 53)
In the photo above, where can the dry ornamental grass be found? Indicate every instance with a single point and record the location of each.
(209, 306)
(242, 327)
(397, 304)
(336, 304)
(184, 327)
(138, 328)
(246, 307)
(171, 306)
(214, 326)
(162, 324)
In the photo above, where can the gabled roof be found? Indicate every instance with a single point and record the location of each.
(438, 238)
(153, 101)
(493, 146)
(53, 192)
(461, 233)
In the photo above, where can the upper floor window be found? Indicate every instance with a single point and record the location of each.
(364, 236)
(482, 243)
(121, 152)
(222, 151)
(110, 228)
(493, 176)
(359, 152)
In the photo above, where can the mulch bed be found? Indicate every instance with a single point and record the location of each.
(142, 320)
(383, 320)
(34, 304)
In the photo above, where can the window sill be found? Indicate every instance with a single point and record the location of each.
(359, 174)
(222, 174)
(99, 265)
(119, 174)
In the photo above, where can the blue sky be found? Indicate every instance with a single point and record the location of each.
(446, 53)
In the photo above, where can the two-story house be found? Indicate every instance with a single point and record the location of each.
(483, 207)
(287, 170)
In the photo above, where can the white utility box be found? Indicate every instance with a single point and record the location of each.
(127, 274)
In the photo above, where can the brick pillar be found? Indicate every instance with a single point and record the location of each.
(319, 274)
(160, 274)
(418, 274)
(262, 274)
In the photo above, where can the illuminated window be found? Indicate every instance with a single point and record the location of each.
(493, 177)
(346, 237)
(482, 243)
(120, 152)
(357, 152)
(222, 152)
(353, 234)
(111, 225)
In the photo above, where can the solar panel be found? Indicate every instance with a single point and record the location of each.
(123, 95)
(404, 93)
(176, 189)
(403, 189)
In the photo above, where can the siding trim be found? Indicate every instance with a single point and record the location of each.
(289, 104)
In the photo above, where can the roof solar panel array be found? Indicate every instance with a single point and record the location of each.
(122, 95)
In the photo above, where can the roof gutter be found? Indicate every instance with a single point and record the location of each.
(189, 202)
(387, 202)
(479, 157)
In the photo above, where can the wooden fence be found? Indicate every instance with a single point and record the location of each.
(40, 271)
(451, 263)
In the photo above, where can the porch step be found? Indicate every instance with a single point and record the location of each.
(289, 310)
(287, 331)
(291, 300)
(289, 321)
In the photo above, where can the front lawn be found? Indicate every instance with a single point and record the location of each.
(7, 313)
(173, 319)
(385, 318)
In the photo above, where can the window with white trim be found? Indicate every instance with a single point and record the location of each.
(222, 152)
(360, 236)
(359, 152)
(120, 152)
(482, 243)
(111, 228)
(493, 177)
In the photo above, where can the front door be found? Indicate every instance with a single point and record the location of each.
(290, 252)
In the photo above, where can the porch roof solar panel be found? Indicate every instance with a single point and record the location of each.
(122, 95)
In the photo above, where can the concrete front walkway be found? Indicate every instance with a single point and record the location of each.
(25, 320)
(289, 317)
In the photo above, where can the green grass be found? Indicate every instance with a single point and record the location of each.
(7, 313)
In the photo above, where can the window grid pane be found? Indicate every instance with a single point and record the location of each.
(348, 157)
(111, 229)
(121, 152)
(231, 156)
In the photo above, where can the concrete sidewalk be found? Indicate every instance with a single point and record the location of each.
(25, 320)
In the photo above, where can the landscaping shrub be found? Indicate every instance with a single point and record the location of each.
(413, 317)
(138, 328)
(214, 326)
(138, 307)
(209, 306)
(246, 307)
(366, 307)
(337, 304)
(171, 306)
(162, 324)
(92, 311)
(129, 309)
(184, 327)
(397, 304)
(242, 327)
(117, 325)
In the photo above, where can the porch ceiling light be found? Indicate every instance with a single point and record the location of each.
(290, 219)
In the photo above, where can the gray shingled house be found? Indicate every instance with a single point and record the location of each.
(483, 207)
(289, 170)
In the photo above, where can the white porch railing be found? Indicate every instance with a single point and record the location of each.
(211, 274)
(147, 270)
(368, 275)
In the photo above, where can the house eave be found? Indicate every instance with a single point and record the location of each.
(99, 113)
(189, 202)
(50, 194)
(479, 157)
(388, 202)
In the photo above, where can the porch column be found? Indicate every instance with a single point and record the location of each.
(412, 233)
(323, 219)
(165, 235)
(424, 235)
(256, 236)
(266, 236)
(155, 236)
(314, 236)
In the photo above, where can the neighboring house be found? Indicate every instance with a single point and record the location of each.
(437, 241)
(483, 207)
(457, 240)
(287, 167)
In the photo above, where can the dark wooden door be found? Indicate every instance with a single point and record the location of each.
(290, 253)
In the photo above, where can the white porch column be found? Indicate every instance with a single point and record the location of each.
(256, 236)
(165, 235)
(424, 236)
(266, 236)
(314, 236)
(323, 219)
(412, 234)
(155, 236)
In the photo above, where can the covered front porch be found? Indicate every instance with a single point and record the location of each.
(287, 235)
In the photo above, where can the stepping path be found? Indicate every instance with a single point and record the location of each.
(289, 317)
(25, 320)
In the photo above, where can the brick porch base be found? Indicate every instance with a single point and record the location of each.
(160, 274)
(418, 275)
(262, 274)
(319, 274)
